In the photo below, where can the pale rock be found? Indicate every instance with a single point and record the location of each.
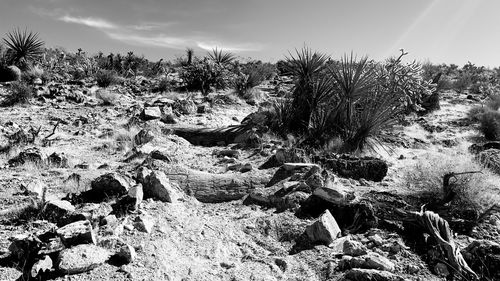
(81, 258)
(325, 230)
(144, 223)
(75, 233)
(42, 265)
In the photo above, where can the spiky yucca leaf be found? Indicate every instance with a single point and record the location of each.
(24, 45)
(221, 57)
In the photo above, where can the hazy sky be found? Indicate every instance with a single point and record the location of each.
(451, 31)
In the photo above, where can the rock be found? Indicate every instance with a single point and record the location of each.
(142, 174)
(144, 223)
(376, 239)
(289, 170)
(24, 247)
(10, 73)
(376, 261)
(57, 210)
(93, 212)
(58, 160)
(332, 192)
(246, 168)
(158, 186)
(325, 230)
(358, 274)
(41, 266)
(144, 136)
(76, 233)
(125, 255)
(30, 155)
(441, 269)
(283, 156)
(160, 155)
(229, 153)
(108, 185)
(81, 258)
(346, 246)
(36, 188)
(37, 81)
(347, 166)
(185, 106)
(137, 194)
(151, 113)
(53, 245)
(203, 108)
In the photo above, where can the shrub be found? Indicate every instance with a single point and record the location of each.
(204, 74)
(489, 124)
(105, 78)
(20, 92)
(251, 75)
(165, 85)
(33, 73)
(25, 46)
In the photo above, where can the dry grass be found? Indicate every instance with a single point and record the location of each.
(426, 176)
(107, 97)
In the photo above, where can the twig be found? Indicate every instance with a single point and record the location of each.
(53, 130)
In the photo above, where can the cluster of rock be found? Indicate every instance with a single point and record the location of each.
(74, 239)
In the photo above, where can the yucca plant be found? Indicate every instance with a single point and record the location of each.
(25, 46)
(221, 57)
(189, 54)
(307, 68)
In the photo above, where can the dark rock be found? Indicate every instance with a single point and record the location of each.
(158, 186)
(10, 73)
(159, 155)
(144, 136)
(110, 184)
(356, 168)
(58, 160)
(283, 156)
(57, 210)
(358, 274)
(30, 155)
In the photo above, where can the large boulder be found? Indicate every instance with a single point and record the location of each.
(81, 258)
(325, 230)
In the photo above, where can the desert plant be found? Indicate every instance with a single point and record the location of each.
(204, 74)
(25, 46)
(189, 54)
(19, 92)
(221, 57)
(105, 78)
(33, 73)
(489, 124)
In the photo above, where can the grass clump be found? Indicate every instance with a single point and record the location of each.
(19, 92)
(488, 117)
(105, 78)
(107, 98)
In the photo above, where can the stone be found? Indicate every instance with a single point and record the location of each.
(144, 136)
(325, 230)
(144, 223)
(126, 254)
(332, 192)
(137, 194)
(41, 266)
(36, 188)
(142, 174)
(229, 153)
(358, 274)
(58, 160)
(376, 261)
(53, 245)
(81, 258)
(93, 211)
(24, 247)
(185, 106)
(29, 155)
(376, 239)
(10, 73)
(346, 246)
(441, 269)
(76, 233)
(246, 168)
(158, 186)
(151, 113)
(108, 185)
(37, 81)
(57, 210)
(282, 156)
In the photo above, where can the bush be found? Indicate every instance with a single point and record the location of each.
(33, 73)
(20, 92)
(204, 74)
(165, 85)
(251, 75)
(105, 78)
(488, 117)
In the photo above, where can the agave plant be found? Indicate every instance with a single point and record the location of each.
(221, 57)
(25, 46)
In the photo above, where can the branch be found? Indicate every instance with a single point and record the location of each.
(53, 130)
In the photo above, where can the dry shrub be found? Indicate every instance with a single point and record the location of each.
(481, 190)
(20, 92)
(488, 117)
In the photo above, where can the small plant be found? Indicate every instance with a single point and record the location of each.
(33, 73)
(488, 118)
(105, 78)
(20, 92)
(25, 46)
(107, 97)
(202, 75)
(251, 75)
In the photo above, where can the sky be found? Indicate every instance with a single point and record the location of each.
(439, 31)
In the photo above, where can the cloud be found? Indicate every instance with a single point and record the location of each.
(149, 26)
(92, 22)
(153, 40)
(246, 47)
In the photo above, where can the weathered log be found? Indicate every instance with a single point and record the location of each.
(348, 166)
(214, 136)
(212, 188)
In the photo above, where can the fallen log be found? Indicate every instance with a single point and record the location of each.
(214, 136)
(212, 188)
